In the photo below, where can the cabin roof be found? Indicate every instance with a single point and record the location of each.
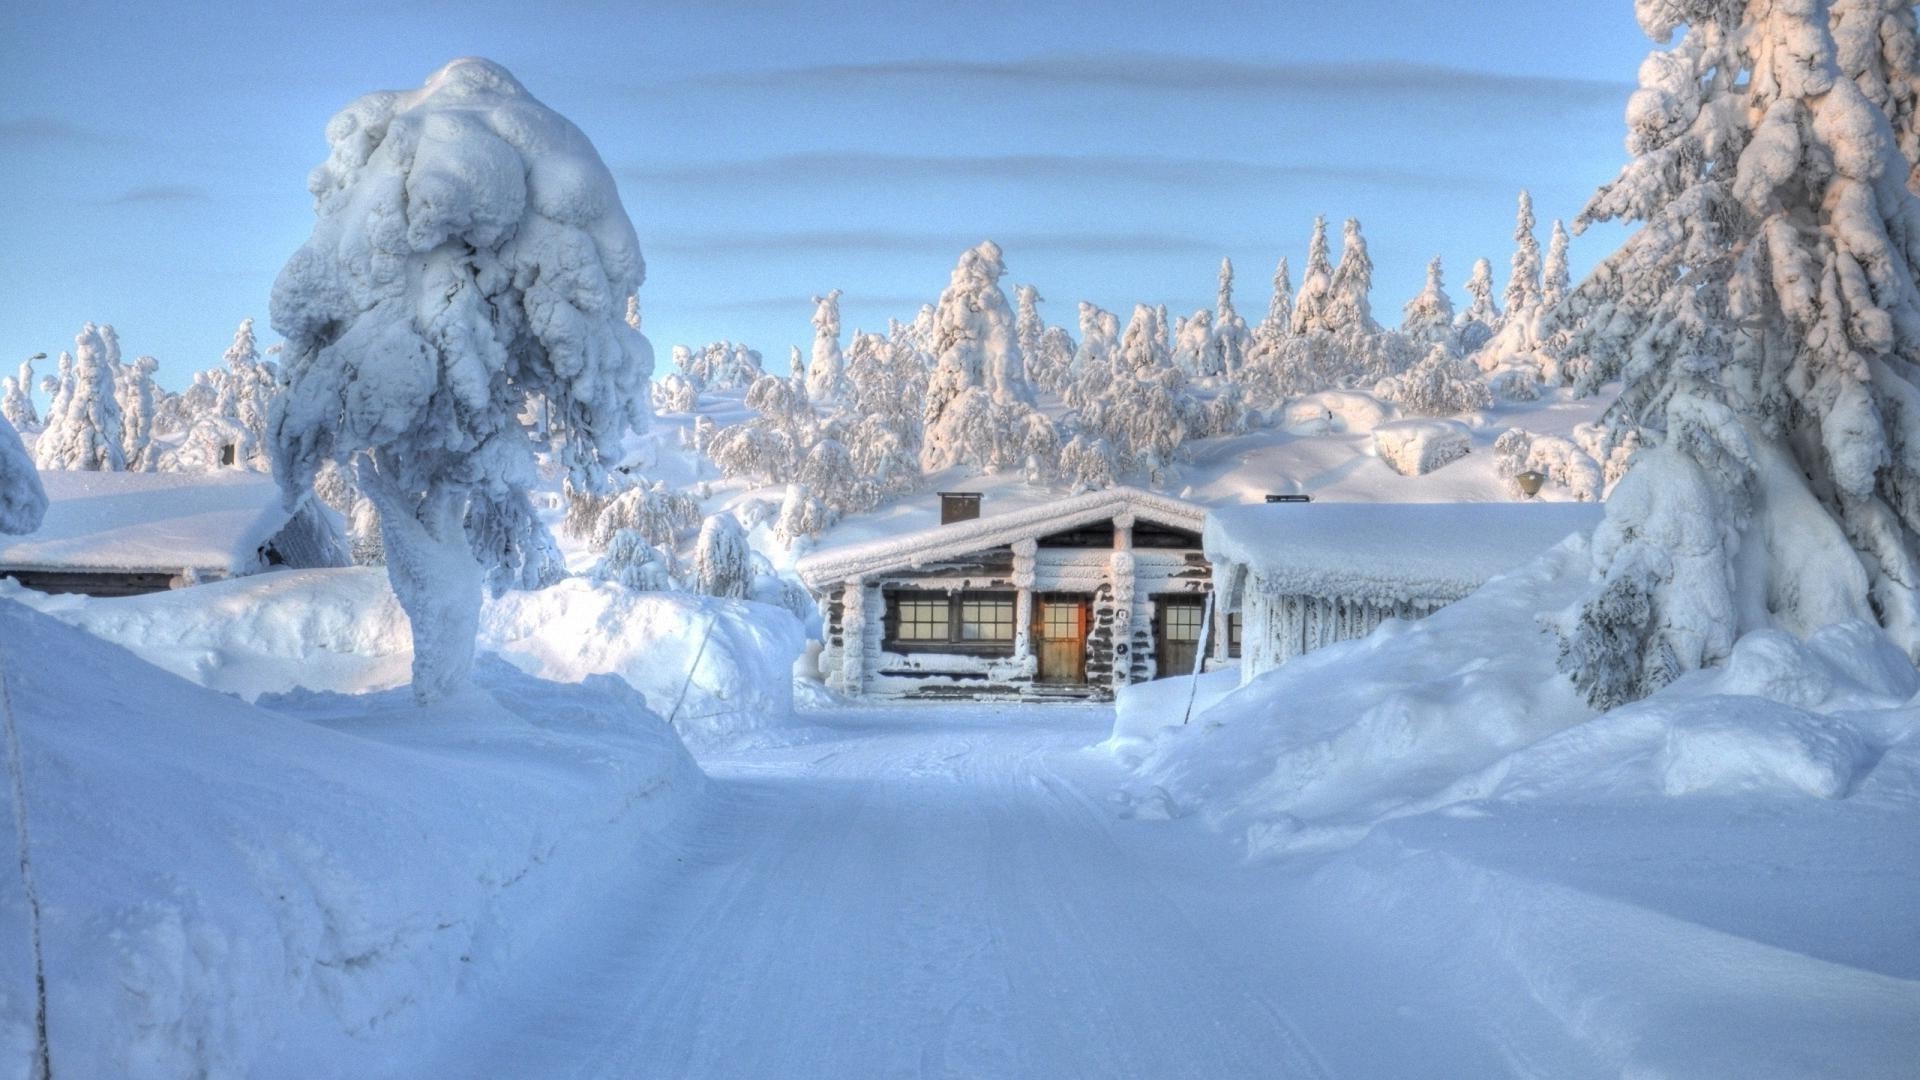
(835, 564)
(129, 522)
(1383, 552)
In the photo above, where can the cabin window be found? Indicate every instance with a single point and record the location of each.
(922, 618)
(986, 617)
(1233, 635)
(973, 623)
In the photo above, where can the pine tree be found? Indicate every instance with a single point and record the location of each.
(83, 429)
(1481, 320)
(1350, 306)
(1523, 286)
(1765, 321)
(1316, 288)
(1555, 278)
(826, 379)
(1231, 338)
(1429, 316)
(1279, 321)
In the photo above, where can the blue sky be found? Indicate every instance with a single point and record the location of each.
(153, 157)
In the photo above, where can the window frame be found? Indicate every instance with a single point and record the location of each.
(954, 642)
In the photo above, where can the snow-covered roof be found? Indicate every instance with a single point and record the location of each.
(1383, 552)
(211, 523)
(964, 537)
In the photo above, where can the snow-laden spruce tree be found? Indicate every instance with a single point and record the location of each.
(247, 389)
(1442, 383)
(1765, 321)
(1279, 321)
(1522, 298)
(83, 429)
(23, 501)
(16, 397)
(136, 394)
(978, 398)
(1877, 46)
(1481, 320)
(470, 251)
(722, 561)
(1231, 338)
(826, 379)
(1193, 344)
(1555, 278)
(1428, 317)
(1349, 302)
(1310, 307)
(1028, 329)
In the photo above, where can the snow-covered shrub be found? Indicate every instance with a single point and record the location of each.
(1418, 447)
(722, 561)
(721, 365)
(802, 515)
(1441, 384)
(1333, 412)
(633, 562)
(1513, 383)
(1087, 464)
(1510, 452)
(1565, 464)
(657, 514)
(470, 249)
(675, 394)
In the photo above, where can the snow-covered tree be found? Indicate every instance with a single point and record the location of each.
(1310, 307)
(1087, 464)
(1523, 286)
(16, 397)
(470, 250)
(1279, 321)
(1765, 321)
(83, 429)
(1875, 46)
(135, 394)
(826, 379)
(1481, 320)
(1443, 383)
(634, 563)
(722, 561)
(1428, 317)
(1555, 278)
(978, 392)
(1349, 304)
(247, 391)
(1193, 344)
(1231, 338)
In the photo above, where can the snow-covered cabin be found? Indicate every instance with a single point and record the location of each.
(1070, 599)
(121, 533)
(1302, 575)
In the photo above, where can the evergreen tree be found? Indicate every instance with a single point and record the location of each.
(1279, 321)
(1765, 321)
(722, 561)
(1429, 316)
(1316, 288)
(1481, 320)
(1523, 287)
(1231, 338)
(1555, 278)
(16, 397)
(826, 378)
(83, 429)
(1349, 305)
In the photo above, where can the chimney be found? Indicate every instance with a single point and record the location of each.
(959, 506)
(1289, 498)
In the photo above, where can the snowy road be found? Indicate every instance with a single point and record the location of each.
(926, 894)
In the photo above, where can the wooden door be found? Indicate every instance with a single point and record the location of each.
(1060, 631)
(1177, 634)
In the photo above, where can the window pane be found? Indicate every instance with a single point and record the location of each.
(1182, 622)
(1233, 634)
(986, 618)
(923, 619)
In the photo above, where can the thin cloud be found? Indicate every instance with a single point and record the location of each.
(1183, 74)
(854, 167)
(48, 131)
(801, 303)
(160, 194)
(884, 242)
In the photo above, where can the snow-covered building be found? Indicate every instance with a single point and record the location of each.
(1070, 599)
(1302, 575)
(121, 533)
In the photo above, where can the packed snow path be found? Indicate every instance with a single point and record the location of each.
(957, 892)
(925, 893)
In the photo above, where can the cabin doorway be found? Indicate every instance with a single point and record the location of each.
(1060, 631)
(1176, 634)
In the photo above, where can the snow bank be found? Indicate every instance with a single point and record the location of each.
(1333, 412)
(231, 890)
(1142, 709)
(343, 631)
(1467, 705)
(1418, 447)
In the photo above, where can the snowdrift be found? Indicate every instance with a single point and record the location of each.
(343, 630)
(1468, 704)
(227, 889)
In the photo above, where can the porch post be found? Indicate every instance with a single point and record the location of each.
(1120, 576)
(853, 635)
(1023, 564)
